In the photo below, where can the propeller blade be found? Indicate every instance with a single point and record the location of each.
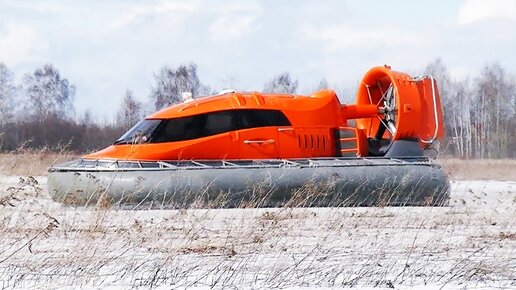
(380, 131)
(391, 127)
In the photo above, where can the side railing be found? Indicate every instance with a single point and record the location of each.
(124, 165)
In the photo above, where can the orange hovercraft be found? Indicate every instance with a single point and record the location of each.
(254, 149)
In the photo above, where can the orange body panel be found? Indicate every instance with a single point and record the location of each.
(261, 143)
(315, 123)
(214, 147)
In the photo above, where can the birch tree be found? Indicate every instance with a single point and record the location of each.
(7, 93)
(494, 111)
(48, 94)
(323, 85)
(130, 111)
(170, 83)
(456, 102)
(281, 84)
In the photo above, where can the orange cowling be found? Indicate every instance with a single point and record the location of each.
(414, 116)
(351, 112)
(374, 84)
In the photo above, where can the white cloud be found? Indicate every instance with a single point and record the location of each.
(227, 27)
(340, 37)
(45, 7)
(139, 13)
(20, 43)
(477, 10)
(235, 20)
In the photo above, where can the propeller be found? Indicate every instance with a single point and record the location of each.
(388, 120)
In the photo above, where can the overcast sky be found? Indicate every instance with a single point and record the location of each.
(105, 47)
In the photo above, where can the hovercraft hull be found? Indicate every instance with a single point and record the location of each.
(260, 183)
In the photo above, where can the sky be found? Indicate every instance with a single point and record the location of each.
(105, 47)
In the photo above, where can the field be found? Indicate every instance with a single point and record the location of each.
(471, 243)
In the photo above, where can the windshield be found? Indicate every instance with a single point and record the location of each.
(139, 133)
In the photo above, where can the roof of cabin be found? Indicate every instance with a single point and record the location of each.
(247, 100)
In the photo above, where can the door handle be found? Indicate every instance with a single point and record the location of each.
(285, 129)
(269, 141)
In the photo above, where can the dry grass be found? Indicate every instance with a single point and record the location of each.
(32, 163)
(479, 169)
(45, 244)
(36, 163)
(468, 244)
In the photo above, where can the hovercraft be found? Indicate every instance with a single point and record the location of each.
(269, 150)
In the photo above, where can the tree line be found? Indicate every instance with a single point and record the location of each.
(39, 112)
(479, 112)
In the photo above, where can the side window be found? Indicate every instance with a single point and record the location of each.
(198, 126)
(219, 122)
(178, 129)
(262, 118)
(193, 127)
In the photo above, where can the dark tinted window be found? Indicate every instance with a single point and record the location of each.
(262, 118)
(220, 122)
(198, 126)
(193, 127)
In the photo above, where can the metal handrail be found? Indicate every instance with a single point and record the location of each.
(291, 163)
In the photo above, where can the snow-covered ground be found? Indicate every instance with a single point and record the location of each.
(470, 243)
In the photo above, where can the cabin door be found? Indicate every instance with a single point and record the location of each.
(258, 143)
(288, 142)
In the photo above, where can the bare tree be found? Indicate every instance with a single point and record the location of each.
(130, 111)
(7, 93)
(49, 94)
(456, 102)
(281, 84)
(170, 83)
(86, 119)
(323, 85)
(479, 116)
(494, 112)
